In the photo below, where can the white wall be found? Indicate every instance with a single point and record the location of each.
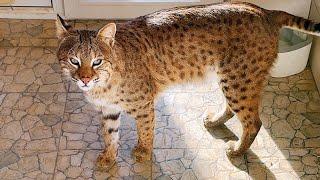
(85, 9)
(295, 7)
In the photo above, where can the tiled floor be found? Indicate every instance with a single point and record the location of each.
(48, 131)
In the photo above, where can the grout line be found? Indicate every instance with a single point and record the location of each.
(62, 121)
(32, 46)
(58, 148)
(29, 46)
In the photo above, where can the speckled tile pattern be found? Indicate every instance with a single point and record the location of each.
(49, 131)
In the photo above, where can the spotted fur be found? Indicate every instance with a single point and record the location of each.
(145, 55)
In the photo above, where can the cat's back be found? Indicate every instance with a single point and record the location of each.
(211, 18)
(202, 14)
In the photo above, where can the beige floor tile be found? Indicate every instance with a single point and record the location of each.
(26, 69)
(29, 135)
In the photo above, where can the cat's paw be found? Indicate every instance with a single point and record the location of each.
(212, 120)
(208, 120)
(141, 154)
(104, 162)
(232, 149)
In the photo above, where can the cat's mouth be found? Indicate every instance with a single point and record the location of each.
(85, 88)
(88, 86)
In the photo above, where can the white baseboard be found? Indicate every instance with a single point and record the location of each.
(27, 13)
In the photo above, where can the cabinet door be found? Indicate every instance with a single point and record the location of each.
(29, 3)
(121, 9)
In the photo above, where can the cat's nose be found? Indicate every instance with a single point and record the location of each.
(85, 80)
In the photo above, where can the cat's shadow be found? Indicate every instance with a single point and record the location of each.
(224, 133)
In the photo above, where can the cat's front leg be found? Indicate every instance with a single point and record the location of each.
(145, 126)
(110, 130)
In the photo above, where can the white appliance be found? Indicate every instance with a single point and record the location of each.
(294, 50)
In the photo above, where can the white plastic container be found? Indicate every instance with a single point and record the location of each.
(294, 49)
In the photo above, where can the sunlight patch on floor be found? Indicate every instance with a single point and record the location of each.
(183, 142)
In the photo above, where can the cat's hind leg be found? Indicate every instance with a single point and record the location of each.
(243, 99)
(242, 87)
(251, 124)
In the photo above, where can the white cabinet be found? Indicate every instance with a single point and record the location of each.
(30, 3)
(31, 9)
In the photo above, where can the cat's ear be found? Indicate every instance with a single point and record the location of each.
(108, 33)
(63, 28)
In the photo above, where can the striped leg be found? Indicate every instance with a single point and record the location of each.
(145, 127)
(110, 131)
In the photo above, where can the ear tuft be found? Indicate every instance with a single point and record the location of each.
(63, 28)
(107, 33)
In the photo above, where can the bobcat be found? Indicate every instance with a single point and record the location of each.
(124, 66)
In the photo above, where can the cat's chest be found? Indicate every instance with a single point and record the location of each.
(104, 104)
(100, 99)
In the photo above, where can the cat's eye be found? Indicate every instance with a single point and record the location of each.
(96, 62)
(74, 62)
